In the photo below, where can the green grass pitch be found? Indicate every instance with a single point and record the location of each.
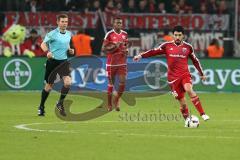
(113, 136)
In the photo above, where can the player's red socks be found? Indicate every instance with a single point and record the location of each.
(109, 91)
(184, 111)
(196, 102)
(121, 89)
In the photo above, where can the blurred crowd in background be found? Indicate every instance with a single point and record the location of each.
(130, 6)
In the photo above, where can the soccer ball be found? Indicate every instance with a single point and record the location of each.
(192, 122)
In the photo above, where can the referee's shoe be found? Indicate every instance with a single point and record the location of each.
(60, 108)
(41, 111)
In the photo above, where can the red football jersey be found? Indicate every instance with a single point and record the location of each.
(177, 58)
(118, 57)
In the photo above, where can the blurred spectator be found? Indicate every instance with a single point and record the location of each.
(32, 6)
(203, 8)
(110, 8)
(117, 1)
(131, 8)
(182, 6)
(161, 8)
(65, 4)
(212, 7)
(214, 50)
(53, 5)
(86, 7)
(167, 37)
(168, 5)
(189, 9)
(142, 7)
(222, 8)
(82, 43)
(152, 4)
(177, 10)
(72, 5)
(96, 6)
(33, 43)
(194, 5)
(119, 7)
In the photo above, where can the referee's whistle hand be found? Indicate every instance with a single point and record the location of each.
(49, 55)
(71, 51)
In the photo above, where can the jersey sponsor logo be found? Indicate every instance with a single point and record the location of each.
(17, 73)
(177, 55)
(171, 49)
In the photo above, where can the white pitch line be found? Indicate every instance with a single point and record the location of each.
(26, 128)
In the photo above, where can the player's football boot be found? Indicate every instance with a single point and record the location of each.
(205, 117)
(109, 108)
(186, 125)
(117, 109)
(41, 111)
(61, 109)
(116, 103)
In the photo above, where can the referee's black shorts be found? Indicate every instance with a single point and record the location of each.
(54, 67)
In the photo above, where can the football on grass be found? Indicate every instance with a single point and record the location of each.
(192, 122)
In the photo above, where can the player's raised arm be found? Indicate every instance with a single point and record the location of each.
(149, 53)
(197, 64)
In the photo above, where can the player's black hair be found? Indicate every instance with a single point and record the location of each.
(178, 29)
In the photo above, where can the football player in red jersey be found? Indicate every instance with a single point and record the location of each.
(177, 53)
(115, 45)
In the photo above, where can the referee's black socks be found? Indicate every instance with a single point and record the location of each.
(64, 92)
(44, 97)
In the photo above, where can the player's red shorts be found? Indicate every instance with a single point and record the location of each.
(177, 88)
(112, 71)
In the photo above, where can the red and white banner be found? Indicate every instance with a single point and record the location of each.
(200, 26)
(131, 21)
(165, 21)
(48, 19)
